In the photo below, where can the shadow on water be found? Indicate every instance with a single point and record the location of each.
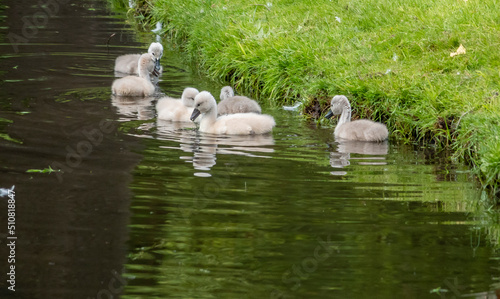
(151, 209)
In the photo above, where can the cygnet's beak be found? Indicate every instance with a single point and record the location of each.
(157, 64)
(329, 114)
(195, 114)
(156, 70)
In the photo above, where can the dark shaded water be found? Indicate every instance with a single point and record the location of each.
(148, 209)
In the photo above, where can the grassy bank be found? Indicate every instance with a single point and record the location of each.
(391, 58)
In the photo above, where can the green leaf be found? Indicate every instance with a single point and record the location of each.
(46, 170)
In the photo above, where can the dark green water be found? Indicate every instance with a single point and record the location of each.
(157, 210)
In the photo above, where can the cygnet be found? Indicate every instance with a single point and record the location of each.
(233, 124)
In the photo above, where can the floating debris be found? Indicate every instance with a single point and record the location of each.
(5, 192)
(158, 28)
(293, 108)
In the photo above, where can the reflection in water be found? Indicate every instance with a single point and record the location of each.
(204, 154)
(157, 30)
(363, 147)
(134, 107)
(205, 147)
(339, 160)
(373, 153)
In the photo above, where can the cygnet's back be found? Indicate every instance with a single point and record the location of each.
(230, 103)
(127, 64)
(177, 109)
(243, 124)
(362, 130)
(233, 124)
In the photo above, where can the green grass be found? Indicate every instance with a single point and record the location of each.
(391, 58)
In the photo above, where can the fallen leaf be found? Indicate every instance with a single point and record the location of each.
(460, 51)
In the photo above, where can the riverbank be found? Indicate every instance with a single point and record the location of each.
(398, 62)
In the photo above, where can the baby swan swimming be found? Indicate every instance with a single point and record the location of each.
(361, 130)
(229, 103)
(177, 109)
(127, 64)
(134, 86)
(233, 124)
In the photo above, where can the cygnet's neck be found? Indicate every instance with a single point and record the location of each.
(143, 71)
(345, 117)
(208, 119)
(186, 102)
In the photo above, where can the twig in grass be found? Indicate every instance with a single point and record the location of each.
(107, 43)
(460, 119)
(263, 6)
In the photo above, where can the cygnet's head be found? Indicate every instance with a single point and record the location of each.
(226, 92)
(188, 96)
(203, 103)
(156, 49)
(338, 104)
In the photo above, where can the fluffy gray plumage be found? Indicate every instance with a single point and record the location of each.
(361, 130)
